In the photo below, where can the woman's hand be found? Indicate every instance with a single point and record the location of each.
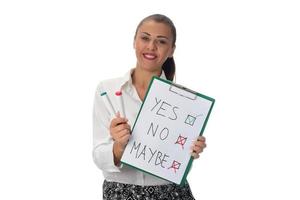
(120, 132)
(198, 147)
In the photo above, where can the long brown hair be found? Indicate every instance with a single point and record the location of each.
(169, 64)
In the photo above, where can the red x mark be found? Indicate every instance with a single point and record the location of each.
(175, 165)
(181, 140)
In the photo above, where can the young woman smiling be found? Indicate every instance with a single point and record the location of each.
(154, 44)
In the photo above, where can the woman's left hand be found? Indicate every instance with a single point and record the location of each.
(198, 147)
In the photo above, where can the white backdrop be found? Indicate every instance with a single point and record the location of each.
(242, 53)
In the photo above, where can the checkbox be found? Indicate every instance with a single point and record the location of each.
(190, 120)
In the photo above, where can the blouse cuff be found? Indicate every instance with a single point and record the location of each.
(104, 158)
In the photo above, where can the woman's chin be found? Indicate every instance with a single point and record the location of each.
(151, 68)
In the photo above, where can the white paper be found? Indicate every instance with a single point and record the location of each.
(163, 134)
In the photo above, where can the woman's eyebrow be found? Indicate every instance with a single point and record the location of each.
(146, 33)
(159, 36)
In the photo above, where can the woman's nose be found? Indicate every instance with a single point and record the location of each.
(152, 45)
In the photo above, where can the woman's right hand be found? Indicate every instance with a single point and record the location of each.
(120, 132)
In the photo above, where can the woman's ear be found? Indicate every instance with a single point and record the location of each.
(134, 42)
(172, 51)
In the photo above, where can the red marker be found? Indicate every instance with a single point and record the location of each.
(121, 103)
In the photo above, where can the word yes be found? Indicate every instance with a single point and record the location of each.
(165, 109)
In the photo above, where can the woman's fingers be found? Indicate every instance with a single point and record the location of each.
(201, 138)
(118, 120)
(121, 134)
(120, 131)
(123, 140)
(198, 147)
(195, 155)
(121, 127)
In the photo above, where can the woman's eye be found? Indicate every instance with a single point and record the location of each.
(162, 42)
(145, 38)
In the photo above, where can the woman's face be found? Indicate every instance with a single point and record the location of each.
(153, 45)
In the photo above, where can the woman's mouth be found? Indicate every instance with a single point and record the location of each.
(149, 56)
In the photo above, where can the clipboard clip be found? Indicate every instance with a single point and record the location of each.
(183, 91)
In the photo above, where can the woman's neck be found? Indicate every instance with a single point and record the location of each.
(141, 78)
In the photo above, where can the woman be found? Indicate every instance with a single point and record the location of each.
(154, 44)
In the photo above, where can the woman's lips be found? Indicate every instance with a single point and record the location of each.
(149, 56)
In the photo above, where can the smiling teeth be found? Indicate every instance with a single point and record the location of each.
(149, 56)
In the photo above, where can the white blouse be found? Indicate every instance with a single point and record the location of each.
(102, 140)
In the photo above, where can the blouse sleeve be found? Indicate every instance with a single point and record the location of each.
(102, 141)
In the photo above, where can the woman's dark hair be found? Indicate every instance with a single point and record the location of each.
(169, 64)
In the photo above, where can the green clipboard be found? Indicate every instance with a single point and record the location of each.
(170, 118)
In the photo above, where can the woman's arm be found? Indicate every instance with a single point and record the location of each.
(102, 140)
(120, 132)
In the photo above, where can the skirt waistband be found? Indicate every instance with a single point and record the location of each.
(122, 191)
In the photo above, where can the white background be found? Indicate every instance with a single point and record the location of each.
(242, 53)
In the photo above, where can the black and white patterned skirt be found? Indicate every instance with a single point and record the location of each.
(120, 191)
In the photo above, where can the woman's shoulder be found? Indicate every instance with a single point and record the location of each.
(110, 84)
